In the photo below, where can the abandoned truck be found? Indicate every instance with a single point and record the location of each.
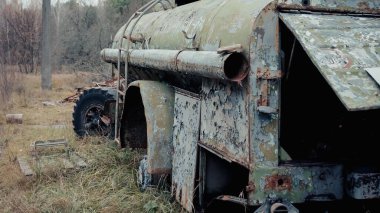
(268, 104)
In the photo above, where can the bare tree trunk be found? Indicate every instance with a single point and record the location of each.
(8, 46)
(46, 46)
(57, 36)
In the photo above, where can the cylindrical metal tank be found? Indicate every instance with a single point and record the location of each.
(204, 25)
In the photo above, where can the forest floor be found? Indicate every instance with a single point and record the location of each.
(107, 184)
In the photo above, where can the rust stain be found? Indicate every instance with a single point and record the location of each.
(278, 183)
(250, 187)
(264, 93)
(267, 74)
(348, 64)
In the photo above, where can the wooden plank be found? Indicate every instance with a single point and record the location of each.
(24, 166)
(13, 118)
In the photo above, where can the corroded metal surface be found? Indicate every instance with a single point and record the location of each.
(346, 6)
(299, 183)
(264, 91)
(264, 80)
(224, 120)
(185, 139)
(231, 66)
(158, 100)
(341, 47)
(363, 185)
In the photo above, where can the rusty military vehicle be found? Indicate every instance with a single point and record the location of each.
(267, 104)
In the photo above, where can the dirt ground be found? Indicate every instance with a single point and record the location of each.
(107, 184)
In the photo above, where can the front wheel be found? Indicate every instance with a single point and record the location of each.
(88, 116)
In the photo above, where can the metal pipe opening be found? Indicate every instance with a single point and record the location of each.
(236, 67)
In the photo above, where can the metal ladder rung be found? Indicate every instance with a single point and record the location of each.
(137, 15)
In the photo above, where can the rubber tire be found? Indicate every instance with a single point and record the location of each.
(93, 97)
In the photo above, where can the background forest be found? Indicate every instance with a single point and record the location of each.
(79, 30)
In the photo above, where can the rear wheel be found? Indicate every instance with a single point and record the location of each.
(88, 115)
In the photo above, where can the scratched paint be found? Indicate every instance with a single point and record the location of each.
(363, 185)
(225, 120)
(185, 139)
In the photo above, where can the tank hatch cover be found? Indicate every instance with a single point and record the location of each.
(342, 47)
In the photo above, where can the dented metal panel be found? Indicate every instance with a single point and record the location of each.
(341, 47)
(185, 139)
(224, 120)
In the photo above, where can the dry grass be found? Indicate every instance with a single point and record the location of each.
(107, 185)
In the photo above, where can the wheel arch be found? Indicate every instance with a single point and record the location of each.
(147, 122)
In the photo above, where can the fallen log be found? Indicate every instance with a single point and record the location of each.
(13, 118)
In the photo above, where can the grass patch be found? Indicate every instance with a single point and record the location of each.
(108, 184)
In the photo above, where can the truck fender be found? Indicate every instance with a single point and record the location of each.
(147, 122)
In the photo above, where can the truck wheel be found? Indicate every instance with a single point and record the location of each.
(88, 117)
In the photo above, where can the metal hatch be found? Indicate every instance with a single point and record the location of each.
(342, 48)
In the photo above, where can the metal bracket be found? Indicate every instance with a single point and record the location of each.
(276, 205)
(265, 76)
(190, 40)
(267, 110)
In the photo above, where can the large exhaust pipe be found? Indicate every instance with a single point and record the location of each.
(230, 66)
